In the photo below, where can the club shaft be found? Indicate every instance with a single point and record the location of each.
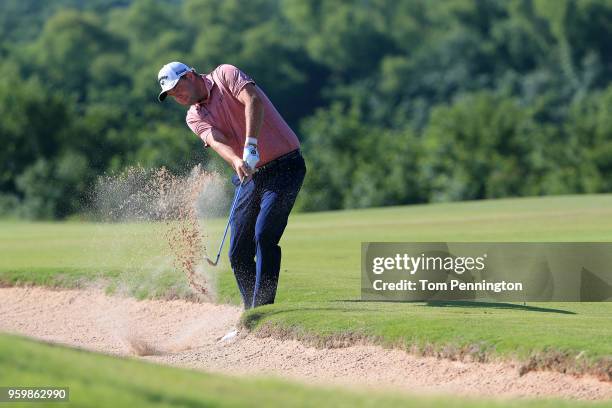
(229, 220)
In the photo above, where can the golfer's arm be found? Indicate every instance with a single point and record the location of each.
(219, 143)
(253, 109)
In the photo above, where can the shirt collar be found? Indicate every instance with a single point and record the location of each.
(209, 83)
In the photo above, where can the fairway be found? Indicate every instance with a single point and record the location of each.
(318, 296)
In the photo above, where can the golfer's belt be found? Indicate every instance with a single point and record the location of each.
(279, 160)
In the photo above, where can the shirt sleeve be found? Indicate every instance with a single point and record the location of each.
(234, 78)
(200, 127)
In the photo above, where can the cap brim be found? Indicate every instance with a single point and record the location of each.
(162, 95)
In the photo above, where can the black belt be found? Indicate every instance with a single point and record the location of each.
(279, 160)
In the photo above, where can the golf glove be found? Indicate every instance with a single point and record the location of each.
(250, 156)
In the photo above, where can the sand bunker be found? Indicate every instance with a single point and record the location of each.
(187, 334)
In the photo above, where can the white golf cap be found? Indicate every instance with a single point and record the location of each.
(169, 75)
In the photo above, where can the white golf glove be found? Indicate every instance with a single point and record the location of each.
(251, 155)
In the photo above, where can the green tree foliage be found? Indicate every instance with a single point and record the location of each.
(70, 44)
(371, 167)
(396, 102)
(34, 124)
(482, 146)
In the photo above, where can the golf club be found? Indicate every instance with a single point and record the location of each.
(210, 262)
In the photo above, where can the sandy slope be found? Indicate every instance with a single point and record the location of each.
(187, 334)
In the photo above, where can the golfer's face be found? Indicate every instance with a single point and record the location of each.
(184, 92)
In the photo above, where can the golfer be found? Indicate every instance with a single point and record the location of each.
(233, 116)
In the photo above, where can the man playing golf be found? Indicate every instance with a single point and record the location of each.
(231, 114)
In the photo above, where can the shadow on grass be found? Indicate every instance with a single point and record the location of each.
(253, 316)
(467, 303)
(495, 305)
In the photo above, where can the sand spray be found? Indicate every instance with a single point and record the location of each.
(155, 221)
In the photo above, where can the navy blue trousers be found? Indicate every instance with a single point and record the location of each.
(259, 220)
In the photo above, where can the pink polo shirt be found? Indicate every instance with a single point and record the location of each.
(225, 113)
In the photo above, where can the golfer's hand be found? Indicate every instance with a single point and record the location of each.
(242, 169)
(250, 156)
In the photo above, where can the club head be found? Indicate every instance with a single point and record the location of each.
(211, 262)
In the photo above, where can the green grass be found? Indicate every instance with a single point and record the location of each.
(133, 256)
(97, 380)
(320, 278)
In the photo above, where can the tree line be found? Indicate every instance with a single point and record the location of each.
(395, 102)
